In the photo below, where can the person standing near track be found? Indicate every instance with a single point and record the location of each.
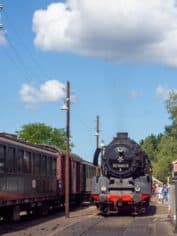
(164, 193)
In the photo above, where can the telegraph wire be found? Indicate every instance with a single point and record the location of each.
(86, 128)
(10, 57)
(17, 56)
(19, 59)
(6, 53)
(19, 62)
(34, 61)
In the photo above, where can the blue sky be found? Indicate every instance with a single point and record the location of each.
(120, 70)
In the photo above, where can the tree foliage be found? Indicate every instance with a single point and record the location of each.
(171, 105)
(40, 133)
(162, 149)
(166, 154)
(150, 146)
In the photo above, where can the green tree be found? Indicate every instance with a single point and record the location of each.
(171, 105)
(166, 154)
(150, 145)
(162, 149)
(40, 133)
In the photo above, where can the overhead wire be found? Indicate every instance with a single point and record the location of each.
(20, 62)
(4, 48)
(10, 57)
(18, 56)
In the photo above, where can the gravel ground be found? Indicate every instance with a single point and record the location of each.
(86, 221)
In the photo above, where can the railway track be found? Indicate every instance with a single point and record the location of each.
(86, 221)
(46, 225)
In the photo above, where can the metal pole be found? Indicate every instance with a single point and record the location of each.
(67, 162)
(1, 25)
(97, 131)
(176, 205)
(97, 139)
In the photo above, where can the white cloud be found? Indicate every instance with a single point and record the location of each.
(50, 91)
(119, 30)
(163, 92)
(2, 38)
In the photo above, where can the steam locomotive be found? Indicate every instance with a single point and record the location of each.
(125, 182)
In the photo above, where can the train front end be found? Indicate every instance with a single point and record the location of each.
(125, 183)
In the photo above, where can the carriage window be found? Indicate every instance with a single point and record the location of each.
(33, 163)
(43, 165)
(2, 158)
(20, 161)
(37, 163)
(27, 162)
(48, 166)
(10, 160)
(53, 166)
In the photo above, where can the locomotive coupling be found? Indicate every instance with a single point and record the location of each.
(102, 198)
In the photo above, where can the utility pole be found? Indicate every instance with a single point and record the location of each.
(97, 131)
(97, 134)
(175, 205)
(1, 25)
(67, 150)
(66, 107)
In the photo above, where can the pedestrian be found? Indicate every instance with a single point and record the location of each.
(164, 193)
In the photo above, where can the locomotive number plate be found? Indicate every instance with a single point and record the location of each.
(117, 165)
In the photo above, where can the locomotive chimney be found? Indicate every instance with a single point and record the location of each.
(122, 135)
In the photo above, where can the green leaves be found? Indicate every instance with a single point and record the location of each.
(162, 149)
(150, 146)
(171, 105)
(40, 133)
(166, 154)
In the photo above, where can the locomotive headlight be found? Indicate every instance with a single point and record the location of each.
(103, 188)
(137, 188)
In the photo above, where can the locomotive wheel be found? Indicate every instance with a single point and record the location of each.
(105, 211)
(143, 210)
(139, 210)
(135, 211)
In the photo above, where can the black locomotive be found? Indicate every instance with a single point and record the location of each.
(126, 178)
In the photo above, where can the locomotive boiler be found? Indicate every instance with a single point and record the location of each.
(125, 182)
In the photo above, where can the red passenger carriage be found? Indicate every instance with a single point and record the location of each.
(32, 177)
